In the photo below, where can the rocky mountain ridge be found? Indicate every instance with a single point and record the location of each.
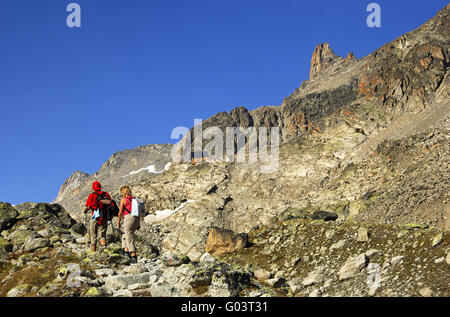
(361, 192)
(127, 166)
(375, 152)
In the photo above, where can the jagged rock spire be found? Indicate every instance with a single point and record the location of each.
(322, 58)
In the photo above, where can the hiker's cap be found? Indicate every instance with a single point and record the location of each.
(97, 186)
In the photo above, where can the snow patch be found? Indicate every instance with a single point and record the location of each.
(163, 214)
(151, 169)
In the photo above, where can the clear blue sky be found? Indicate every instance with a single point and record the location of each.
(136, 69)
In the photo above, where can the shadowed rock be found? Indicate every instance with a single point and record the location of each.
(325, 216)
(222, 241)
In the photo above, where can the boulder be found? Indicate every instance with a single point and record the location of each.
(202, 276)
(352, 267)
(220, 286)
(295, 285)
(174, 259)
(8, 215)
(221, 241)
(123, 293)
(79, 228)
(329, 234)
(137, 286)
(123, 281)
(437, 239)
(32, 244)
(163, 290)
(5, 247)
(397, 259)
(222, 279)
(53, 215)
(276, 282)
(314, 277)
(95, 292)
(325, 216)
(363, 235)
(262, 275)
(189, 242)
(134, 269)
(200, 280)
(207, 258)
(426, 292)
(19, 236)
(19, 291)
(49, 290)
(105, 272)
(373, 253)
(337, 245)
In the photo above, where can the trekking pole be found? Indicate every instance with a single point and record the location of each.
(86, 229)
(114, 232)
(112, 226)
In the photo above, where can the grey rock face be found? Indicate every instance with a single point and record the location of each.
(124, 167)
(323, 57)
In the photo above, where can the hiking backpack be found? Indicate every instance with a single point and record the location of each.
(109, 211)
(137, 208)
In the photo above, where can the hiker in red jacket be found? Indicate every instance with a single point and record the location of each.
(96, 203)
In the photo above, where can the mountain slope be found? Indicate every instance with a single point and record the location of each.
(364, 138)
(359, 204)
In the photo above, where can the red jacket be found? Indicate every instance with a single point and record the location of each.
(94, 202)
